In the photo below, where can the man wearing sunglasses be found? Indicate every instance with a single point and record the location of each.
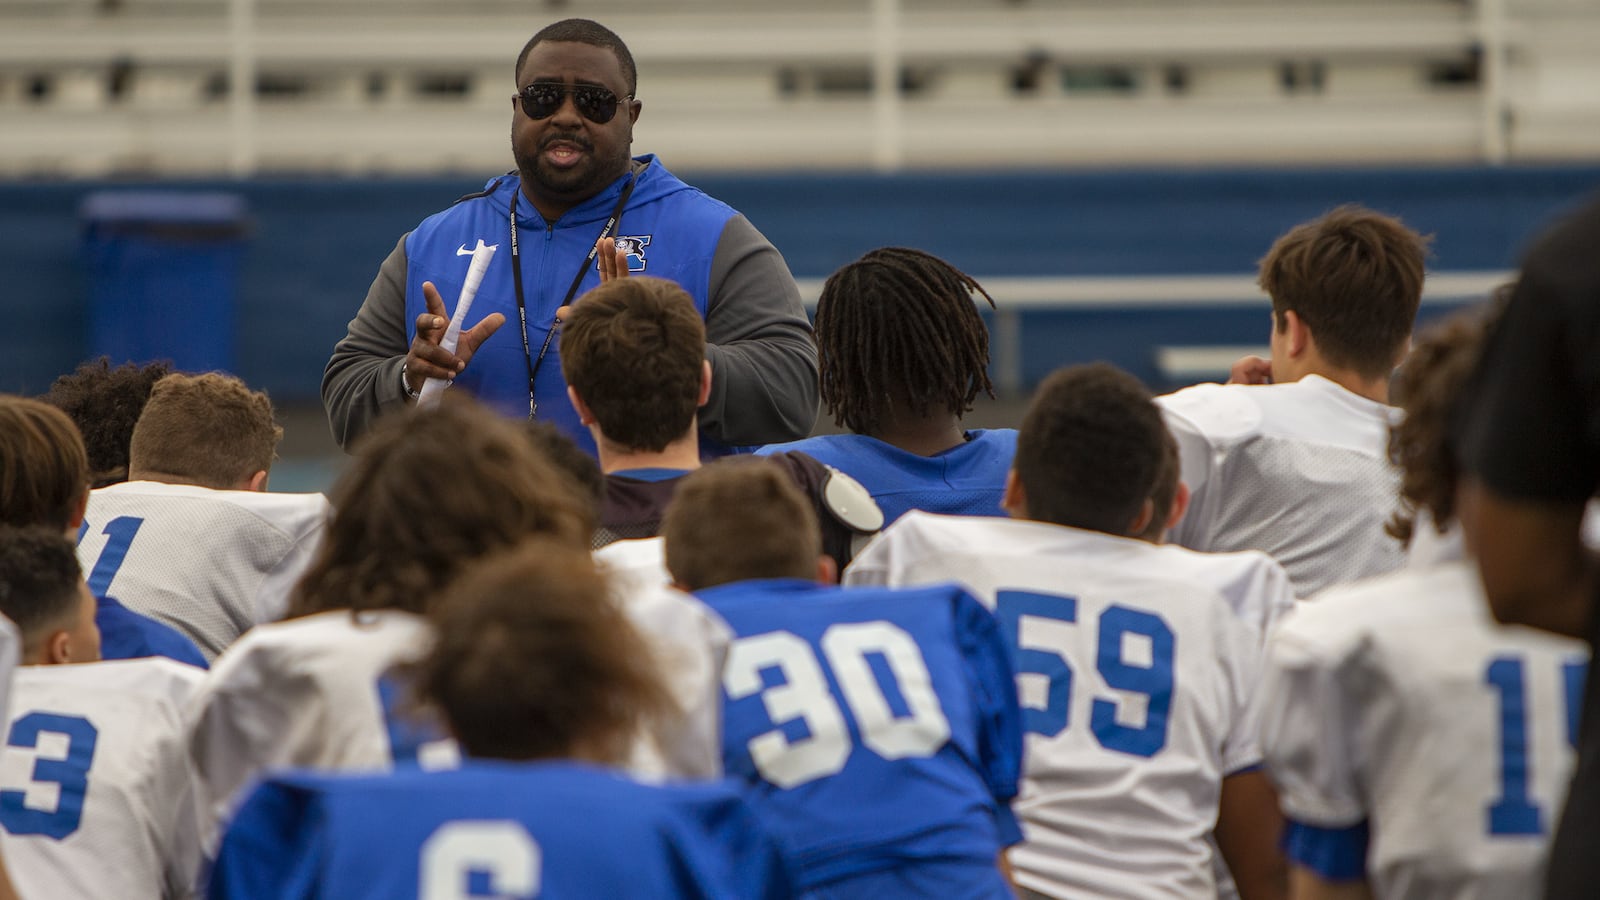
(575, 185)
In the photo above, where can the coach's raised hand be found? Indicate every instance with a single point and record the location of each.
(613, 262)
(426, 358)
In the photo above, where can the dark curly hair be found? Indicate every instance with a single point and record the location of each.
(1428, 388)
(104, 403)
(1091, 449)
(429, 492)
(898, 326)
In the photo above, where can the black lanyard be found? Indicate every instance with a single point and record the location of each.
(534, 362)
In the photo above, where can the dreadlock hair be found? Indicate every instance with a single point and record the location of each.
(898, 326)
(1429, 388)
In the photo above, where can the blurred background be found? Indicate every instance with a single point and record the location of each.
(216, 181)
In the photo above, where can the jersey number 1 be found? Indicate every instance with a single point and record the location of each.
(1516, 812)
(119, 534)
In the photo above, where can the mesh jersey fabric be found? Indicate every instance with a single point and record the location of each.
(1138, 686)
(1299, 471)
(557, 830)
(96, 790)
(300, 693)
(1398, 704)
(967, 479)
(911, 743)
(209, 563)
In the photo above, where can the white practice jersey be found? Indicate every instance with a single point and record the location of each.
(10, 655)
(690, 643)
(1298, 470)
(1399, 705)
(96, 792)
(1137, 682)
(307, 693)
(209, 563)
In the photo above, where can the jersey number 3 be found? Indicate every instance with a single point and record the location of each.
(919, 728)
(68, 770)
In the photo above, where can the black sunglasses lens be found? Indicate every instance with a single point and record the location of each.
(598, 105)
(540, 101)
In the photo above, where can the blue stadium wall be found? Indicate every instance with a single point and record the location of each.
(315, 243)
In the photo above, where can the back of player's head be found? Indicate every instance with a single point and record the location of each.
(1354, 277)
(44, 470)
(565, 454)
(41, 586)
(429, 492)
(104, 403)
(583, 31)
(899, 326)
(1090, 449)
(534, 660)
(207, 429)
(737, 520)
(633, 349)
(1429, 387)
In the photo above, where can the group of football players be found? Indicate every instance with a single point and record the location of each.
(1223, 642)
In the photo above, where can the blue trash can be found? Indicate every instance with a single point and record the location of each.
(164, 276)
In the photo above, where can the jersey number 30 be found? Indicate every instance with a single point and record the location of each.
(919, 729)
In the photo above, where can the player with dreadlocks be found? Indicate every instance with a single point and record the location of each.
(902, 353)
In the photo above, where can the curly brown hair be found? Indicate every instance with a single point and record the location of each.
(1428, 387)
(430, 492)
(104, 403)
(534, 660)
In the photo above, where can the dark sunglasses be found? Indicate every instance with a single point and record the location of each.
(541, 99)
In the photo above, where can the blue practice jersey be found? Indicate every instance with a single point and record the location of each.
(966, 481)
(124, 634)
(553, 830)
(877, 732)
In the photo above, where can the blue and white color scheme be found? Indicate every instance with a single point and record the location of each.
(1137, 681)
(965, 480)
(96, 791)
(876, 733)
(206, 562)
(1416, 743)
(553, 830)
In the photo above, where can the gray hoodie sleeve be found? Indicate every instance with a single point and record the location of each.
(362, 378)
(763, 360)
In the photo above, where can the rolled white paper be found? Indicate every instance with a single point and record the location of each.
(481, 254)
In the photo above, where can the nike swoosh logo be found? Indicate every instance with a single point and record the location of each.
(463, 251)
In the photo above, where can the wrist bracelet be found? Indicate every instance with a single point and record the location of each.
(405, 384)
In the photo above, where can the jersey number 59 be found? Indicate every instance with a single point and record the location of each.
(1150, 675)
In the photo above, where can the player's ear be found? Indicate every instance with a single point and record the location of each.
(1014, 500)
(827, 569)
(1147, 511)
(705, 384)
(58, 648)
(257, 482)
(1300, 337)
(1180, 505)
(585, 417)
(79, 509)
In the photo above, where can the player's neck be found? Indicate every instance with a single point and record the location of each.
(683, 453)
(924, 436)
(1376, 389)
